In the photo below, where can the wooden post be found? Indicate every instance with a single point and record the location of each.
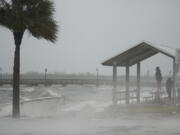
(138, 82)
(174, 81)
(114, 93)
(127, 84)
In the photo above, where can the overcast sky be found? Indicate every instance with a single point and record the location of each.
(92, 31)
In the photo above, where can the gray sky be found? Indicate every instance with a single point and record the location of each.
(92, 31)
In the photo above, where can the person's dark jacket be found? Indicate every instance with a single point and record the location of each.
(158, 76)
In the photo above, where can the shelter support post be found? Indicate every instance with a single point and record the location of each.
(174, 81)
(127, 84)
(114, 92)
(138, 81)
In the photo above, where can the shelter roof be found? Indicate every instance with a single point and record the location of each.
(138, 53)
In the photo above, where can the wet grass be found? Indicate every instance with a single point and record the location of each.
(153, 108)
(145, 108)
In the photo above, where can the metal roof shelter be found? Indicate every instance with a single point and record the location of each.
(133, 56)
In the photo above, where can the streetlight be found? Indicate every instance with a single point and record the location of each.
(0, 75)
(97, 77)
(45, 76)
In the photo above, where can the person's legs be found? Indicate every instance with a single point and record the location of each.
(158, 91)
(168, 92)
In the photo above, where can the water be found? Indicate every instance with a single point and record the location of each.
(39, 101)
(48, 100)
(78, 110)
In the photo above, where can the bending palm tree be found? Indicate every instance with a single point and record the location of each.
(35, 16)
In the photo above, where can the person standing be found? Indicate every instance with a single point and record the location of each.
(169, 85)
(158, 76)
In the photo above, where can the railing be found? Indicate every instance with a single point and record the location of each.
(79, 82)
(57, 81)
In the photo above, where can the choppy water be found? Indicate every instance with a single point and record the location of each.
(77, 110)
(41, 100)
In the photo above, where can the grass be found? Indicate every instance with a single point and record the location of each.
(145, 108)
(153, 108)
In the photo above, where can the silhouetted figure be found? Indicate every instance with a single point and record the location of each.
(169, 85)
(158, 80)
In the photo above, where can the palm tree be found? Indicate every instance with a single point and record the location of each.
(34, 16)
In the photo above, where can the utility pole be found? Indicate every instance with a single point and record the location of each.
(45, 76)
(0, 75)
(97, 77)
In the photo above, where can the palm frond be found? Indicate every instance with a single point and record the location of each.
(46, 29)
(34, 15)
(41, 22)
(6, 18)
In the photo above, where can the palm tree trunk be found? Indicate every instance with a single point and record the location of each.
(16, 75)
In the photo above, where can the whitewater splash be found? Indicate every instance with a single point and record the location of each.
(54, 100)
(34, 101)
(45, 101)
